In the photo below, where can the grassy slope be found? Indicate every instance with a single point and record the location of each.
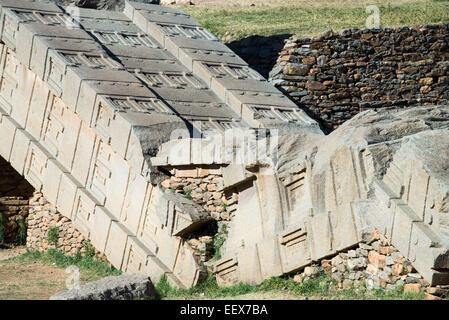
(313, 19)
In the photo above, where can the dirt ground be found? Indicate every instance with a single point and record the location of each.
(6, 253)
(19, 281)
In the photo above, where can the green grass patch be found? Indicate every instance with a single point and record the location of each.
(89, 250)
(218, 241)
(308, 20)
(21, 237)
(90, 267)
(188, 193)
(322, 287)
(206, 289)
(52, 235)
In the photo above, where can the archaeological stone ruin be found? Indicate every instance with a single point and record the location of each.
(334, 76)
(146, 136)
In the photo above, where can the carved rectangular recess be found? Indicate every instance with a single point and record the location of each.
(191, 32)
(91, 60)
(231, 71)
(171, 80)
(125, 39)
(274, 113)
(130, 104)
(294, 185)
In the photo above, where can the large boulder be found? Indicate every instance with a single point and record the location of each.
(124, 287)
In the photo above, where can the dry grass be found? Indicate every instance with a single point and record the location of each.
(311, 17)
(38, 275)
(36, 281)
(302, 3)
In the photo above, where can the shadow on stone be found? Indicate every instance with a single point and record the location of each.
(114, 5)
(259, 52)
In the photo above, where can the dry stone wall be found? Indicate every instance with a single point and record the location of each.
(96, 119)
(15, 192)
(84, 107)
(43, 219)
(383, 170)
(14, 210)
(373, 264)
(335, 76)
(202, 185)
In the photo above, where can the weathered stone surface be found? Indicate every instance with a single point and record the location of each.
(123, 287)
(145, 137)
(82, 119)
(337, 76)
(339, 187)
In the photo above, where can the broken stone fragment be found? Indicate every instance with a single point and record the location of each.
(111, 288)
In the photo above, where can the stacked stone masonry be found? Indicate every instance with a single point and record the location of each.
(13, 210)
(85, 107)
(15, 192)
(203, 186)
(335, 76)
(384, 170)
(373, 264)
(42, 218)
(102, 122)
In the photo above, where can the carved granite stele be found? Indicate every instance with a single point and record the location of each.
(92, 106)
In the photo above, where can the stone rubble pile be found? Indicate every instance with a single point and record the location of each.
(202, 247)
(41, 219)
(335, 76)
(373, 264)
(88, 111)
(12, 209)
(202, 186)
(14, 194)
